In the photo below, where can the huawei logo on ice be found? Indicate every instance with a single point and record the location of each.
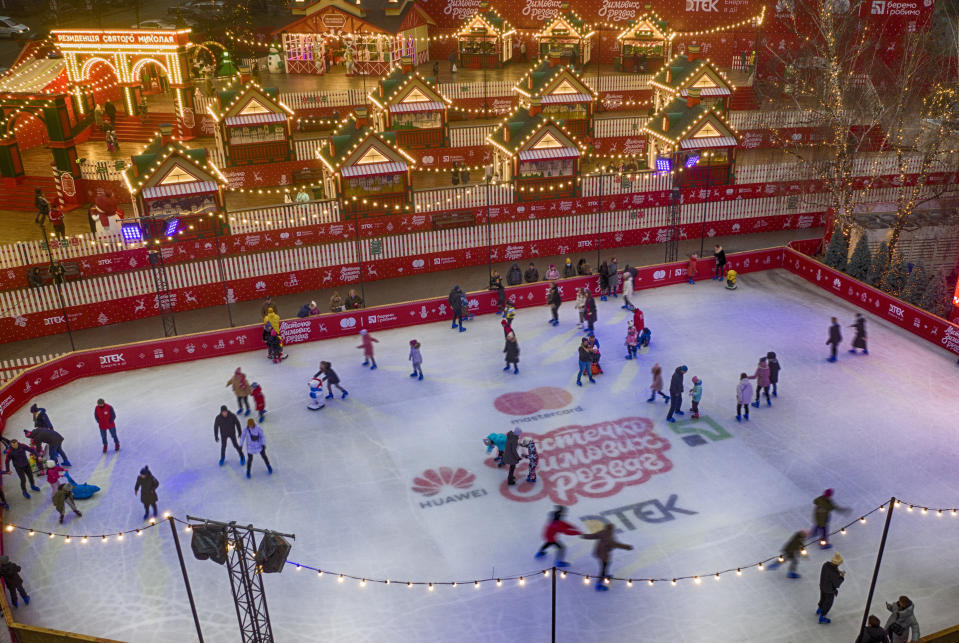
(432, 481)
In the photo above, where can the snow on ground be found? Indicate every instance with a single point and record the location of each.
(870, 427)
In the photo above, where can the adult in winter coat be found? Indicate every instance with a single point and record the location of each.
(255, 443)
(532, 274)
(823, 507)
(603, 280)
(720, 256)
(902, 625)
(791, 552)
(744, 393)
(51, 438)
(830, 578)
(859, 341)
(225, 427)
(873, 632)
(106, 417)
(40, 418)
(267, 305)
(456, 305)
(514, 276)
(552, 274)
(580, 305)
(62, 498)
(511, 456)
(554, 528)
(366, 343)
(835, 336)
(353, 300)
(512, 353)
(20, 455)
(241, 388)
(613, 277)
(10, 573)
(583, 269)
(569, 270)
(774, 368)
(585, 362)
(762, 381)
(676, 393)
(627, 290)
(336, 303)
(605, 544)
(147, 487)
(589, 311)
(496, 283)
(555, 301)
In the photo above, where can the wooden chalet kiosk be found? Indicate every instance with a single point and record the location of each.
(485, 41)
(566, 39)
(179, 189)
(407, 105)
(368, 38)
(690, 71)
(535, 154)
(563, 95)
(365, 169)
(645, 44)
(253, 127)
(694, 137)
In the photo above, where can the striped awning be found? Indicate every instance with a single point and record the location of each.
(549, 153)
(180, 189)
(566, 98)
(428, 106)
(711, 141)
(255, 119)
(373, 169)
(710, 91)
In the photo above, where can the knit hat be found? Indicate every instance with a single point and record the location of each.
(413, 342)
(223, 408)
(696, 380)
(34, 408)
(50, 464)
(144, 471)
(836, 559)
(254, 385)
(683, 368)
(827, 493)
(362, 331)
(313, 304)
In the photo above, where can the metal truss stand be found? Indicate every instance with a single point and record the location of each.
(247, 585)
(164, 301)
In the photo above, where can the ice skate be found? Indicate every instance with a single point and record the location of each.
(506, 368)
(793, 575)
(330, 396)
(755, 404)
(366, 363)
(104, 448)
(562, 563)
(601, 586)
(373, 367)
(116, 446)
(222, 461)
(739, 418)
(672, 420)
(823, 620)
(413, 374)
(540, 554)
(652, 399)
(345, 393)
(242, 459)
(678, 412)
(420, 377)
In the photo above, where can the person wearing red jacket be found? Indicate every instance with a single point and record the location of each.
(638, 320)
(258, 399)
(106, 420)
(556, 527)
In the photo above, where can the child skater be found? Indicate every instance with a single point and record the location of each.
(605, 544)
(533, 456)
(416, 358)
(497, 441)
(332, 379)
(512, 353)
(762, 381)
(554, 528)
(259, 400)
(695, 395)
(691, 269)
(774, 368)
(366, 343)
(657, 385)
(744, 393)
(632, 340)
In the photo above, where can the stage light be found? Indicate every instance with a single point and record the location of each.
(209, 542)
(691, 160)
(131, 232)
(171, 227)
(663, 164)
(272, 553)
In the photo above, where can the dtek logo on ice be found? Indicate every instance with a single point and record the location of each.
(897, 312)
(348, 322)
(702, 5)
(878, 7)
(113, 359)
(432, 481)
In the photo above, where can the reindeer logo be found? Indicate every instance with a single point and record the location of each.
(327, 277)
(141, 306)
(189, 297)
(371, 271)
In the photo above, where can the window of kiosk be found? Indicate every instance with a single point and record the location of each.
(718, 157)
(250, 135)
(182, 205)
(362, 186)
(478, 45)
(418, 120)
(546, 168)
(565, 110)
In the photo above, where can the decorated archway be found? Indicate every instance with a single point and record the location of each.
(128, 52)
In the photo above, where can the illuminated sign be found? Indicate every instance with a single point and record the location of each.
(146, 38)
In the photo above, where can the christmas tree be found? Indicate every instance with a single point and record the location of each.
(861, 260)
(837, 252)
(880, 262)
(936, 298)
(916, 285)
(895, 278)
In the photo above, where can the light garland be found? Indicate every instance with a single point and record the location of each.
(86, 537)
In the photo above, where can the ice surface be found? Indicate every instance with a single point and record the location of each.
(870, 427)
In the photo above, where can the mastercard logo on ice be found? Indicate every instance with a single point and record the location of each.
(529, 402)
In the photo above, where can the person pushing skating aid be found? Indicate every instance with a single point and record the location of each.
(551, 532)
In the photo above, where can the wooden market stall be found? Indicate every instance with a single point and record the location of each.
(407, 105)
(252, 127)
(178, 189)
(644, 44)
(368, 38)
(566, 39)
(691, 71)
(485, 41)
(534, 153)
(562, 93)
(364, 169)
(693, 138)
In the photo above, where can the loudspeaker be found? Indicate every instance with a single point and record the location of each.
(209, 542)
(272, 552)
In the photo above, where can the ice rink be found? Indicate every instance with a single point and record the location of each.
(691, 498)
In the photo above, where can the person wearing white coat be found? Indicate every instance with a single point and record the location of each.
(255, 443)
(581, 306)
(744, 395)
(627, 290)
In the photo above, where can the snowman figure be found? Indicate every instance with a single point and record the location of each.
(274, 63)
(316, 390)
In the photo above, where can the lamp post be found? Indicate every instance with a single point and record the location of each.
(57, 284)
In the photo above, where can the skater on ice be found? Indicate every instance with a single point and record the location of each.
(676, 393)
(62, 498)
(316, 391)
(40, 418)
(762, 381)
(585, 362)
(53, 440)
(497, 441)
(255, 443)
(512, 353)
(613, 268)
(507, 327)
(823, 508)
(551, 533)
(10, 573)
(720, 256)
(241, 389)
(106, 417)
(791, 553)
(589, 311)
(225, 427)
(456, 305)
(695, 395)
(416, 359)
(835, 336)
(554, 300)
(744, 396)
(627, 290)
(147, 485)
(605, 544)
(259, 400)
(656, 386)
(830, 578)
(691, 268)
(511, 455)
(20, 455)
(632, 340)
(532, 456)
(53, 473)
(328, 375)
(366, 343)
(774, 368)
(859, 341)
(603, 280)
(902, 625)
(580, 306)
